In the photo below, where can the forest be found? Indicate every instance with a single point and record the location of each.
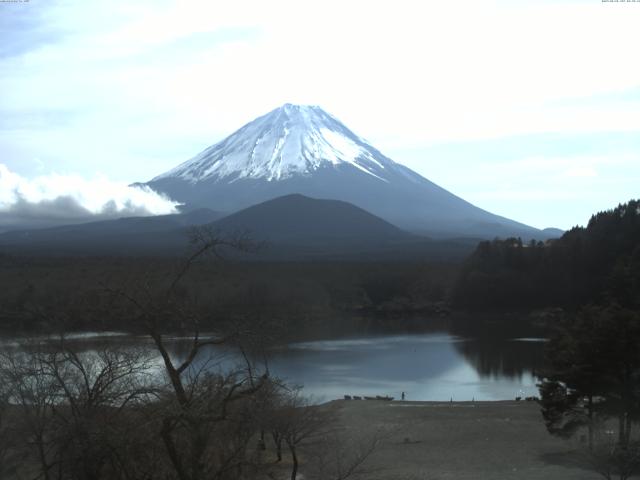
(599, 263)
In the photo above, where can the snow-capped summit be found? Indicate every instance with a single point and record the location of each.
(302, 149)
(290, 140)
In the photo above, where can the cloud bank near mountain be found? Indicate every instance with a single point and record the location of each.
(59, 199)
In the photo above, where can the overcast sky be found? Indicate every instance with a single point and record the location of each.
(529, 109)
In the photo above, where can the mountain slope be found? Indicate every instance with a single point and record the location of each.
(302, 149)
(296, 219)
(296, 227)
(290, 228)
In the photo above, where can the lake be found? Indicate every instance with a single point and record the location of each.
(426, 366)
(430, 366)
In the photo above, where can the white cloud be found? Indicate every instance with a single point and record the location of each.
(55, 199)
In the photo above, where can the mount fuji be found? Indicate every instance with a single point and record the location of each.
(298, 149)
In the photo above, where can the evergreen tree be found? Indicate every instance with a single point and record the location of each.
(593, 373)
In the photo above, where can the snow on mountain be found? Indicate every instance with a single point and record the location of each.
(298, 149)
(290, 140)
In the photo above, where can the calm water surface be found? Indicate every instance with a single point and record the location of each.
(424, 366)
(429, 366)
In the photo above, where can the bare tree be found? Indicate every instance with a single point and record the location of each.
(339, 455)
(293, 421)
(8, 460)
(34, 395)
(95, 389)
(198, 403)
(312, 432)
(71, 404)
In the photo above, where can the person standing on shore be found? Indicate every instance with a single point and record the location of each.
(403, 396)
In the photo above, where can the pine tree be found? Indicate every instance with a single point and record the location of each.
(593, 373)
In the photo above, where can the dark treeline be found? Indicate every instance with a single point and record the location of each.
(596, 264)
(308, 299)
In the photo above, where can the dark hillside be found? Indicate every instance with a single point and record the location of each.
(299, 219)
